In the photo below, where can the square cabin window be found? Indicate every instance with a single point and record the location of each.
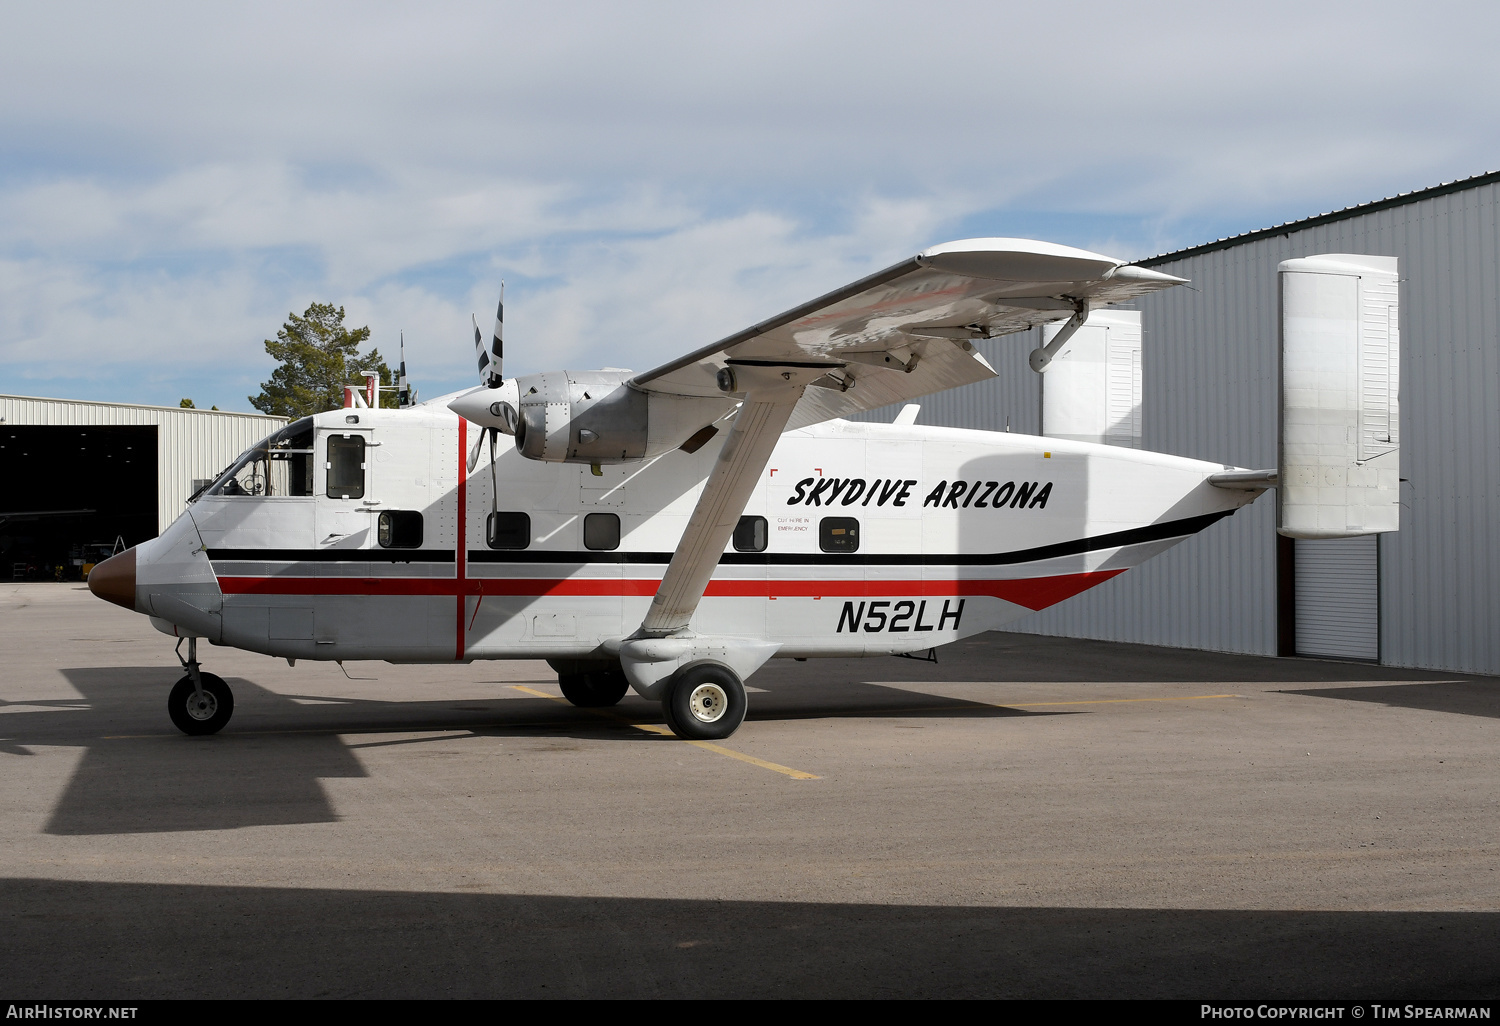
(399, 529)
(750, 534)
(346, 466)
(601, 531)
(509, 531)
(838, 534)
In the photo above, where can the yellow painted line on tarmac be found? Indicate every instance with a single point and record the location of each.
(707, 746)
(539, 694)
(1112, 701)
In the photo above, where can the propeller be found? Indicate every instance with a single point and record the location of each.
(491, 360)
(405, 394)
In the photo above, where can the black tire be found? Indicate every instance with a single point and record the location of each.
(593, 690)
(182, 705)
(705, 702)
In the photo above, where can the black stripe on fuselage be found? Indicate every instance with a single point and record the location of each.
(332, 555)
(1117, 539)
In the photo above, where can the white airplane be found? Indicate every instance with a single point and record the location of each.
(671, 531)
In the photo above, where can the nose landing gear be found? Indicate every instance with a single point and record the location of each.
(200, 703)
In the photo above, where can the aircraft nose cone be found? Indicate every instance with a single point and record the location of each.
(114, 579)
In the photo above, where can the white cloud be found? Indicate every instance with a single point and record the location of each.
(649, 176)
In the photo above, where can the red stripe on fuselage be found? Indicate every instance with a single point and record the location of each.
(1031, 592)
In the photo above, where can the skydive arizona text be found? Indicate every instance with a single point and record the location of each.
(847, 491)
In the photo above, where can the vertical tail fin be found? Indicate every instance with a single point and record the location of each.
(1340, 461)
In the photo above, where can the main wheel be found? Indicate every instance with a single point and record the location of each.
(705, 702)
(208, 716)
(593, 690)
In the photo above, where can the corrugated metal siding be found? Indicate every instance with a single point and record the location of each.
(1214, 351)
(190, 443)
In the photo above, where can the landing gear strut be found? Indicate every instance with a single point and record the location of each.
(704, 702)
(200, 703)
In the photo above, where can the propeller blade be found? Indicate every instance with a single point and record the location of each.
(403, 386)
(474, 449)
(497, 343)
(481, 354)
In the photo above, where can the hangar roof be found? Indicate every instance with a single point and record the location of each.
(1400, 199)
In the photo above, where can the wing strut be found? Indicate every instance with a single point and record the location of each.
(1040, 359)
(664, 643)
(757, 428)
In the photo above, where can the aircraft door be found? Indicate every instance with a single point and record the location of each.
(344, 506)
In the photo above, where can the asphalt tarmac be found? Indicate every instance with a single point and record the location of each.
(1029, 817)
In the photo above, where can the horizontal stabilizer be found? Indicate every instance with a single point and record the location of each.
(1245, 480)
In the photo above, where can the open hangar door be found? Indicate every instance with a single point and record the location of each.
(70, 493)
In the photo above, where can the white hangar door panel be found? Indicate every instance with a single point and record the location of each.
(1338, 608)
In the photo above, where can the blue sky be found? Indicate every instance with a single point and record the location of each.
(647, 177)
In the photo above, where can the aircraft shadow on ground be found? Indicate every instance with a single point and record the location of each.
(1004, 656)
(122, 941)
(1466, 697)
(139, 775)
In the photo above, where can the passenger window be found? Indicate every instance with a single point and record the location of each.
(838, 534)
(509, 531)
(601, 531)
(399, 529)
(346, 466)
(750, 534)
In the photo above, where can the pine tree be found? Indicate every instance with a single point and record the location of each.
(318, 357)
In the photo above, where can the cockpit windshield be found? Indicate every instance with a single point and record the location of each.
(279, 465)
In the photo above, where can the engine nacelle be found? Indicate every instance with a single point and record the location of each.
(581, 417)
(592, 417)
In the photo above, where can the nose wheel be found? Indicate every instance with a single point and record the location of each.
(201, 712)
(200, 703)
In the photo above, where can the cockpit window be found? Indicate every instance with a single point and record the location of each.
(278, 465)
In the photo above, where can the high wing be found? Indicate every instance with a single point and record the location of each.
(904, 332)
(907, 331)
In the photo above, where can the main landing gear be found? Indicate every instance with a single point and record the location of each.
(704, 702)
(200, 703)
(590, 684)
(701, 702)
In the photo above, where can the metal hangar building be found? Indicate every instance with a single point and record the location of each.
(1427, 596)
(82, 476)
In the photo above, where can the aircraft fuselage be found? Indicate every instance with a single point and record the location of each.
(859, 539)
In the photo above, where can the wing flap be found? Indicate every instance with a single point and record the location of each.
(940, 365)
